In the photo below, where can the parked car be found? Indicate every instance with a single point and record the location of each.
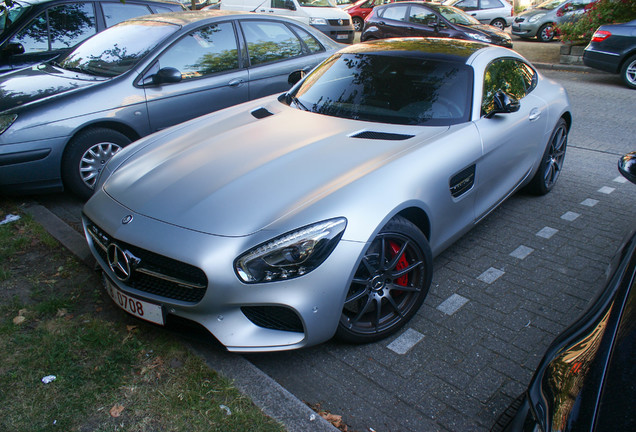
(497, 13)
(541, 20)
(586, 380)
(279, 222)
(33, 31)
(613, 49)
(60, 122)
(407, 19)
(360, 9)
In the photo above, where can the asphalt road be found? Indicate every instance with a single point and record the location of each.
(499, 295)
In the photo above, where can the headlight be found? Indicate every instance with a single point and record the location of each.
(479, 37)
(290, 255)
(317, 21)
(536, 17)
(6, 121)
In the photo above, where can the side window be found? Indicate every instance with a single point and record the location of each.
(206, 51)
(467, 4)
(420, 15)
(311, 42)
(509, 75)
(278, 4)
(70, 24)
(270, 41)
(114, 13)
(490, 4)
(395, 13)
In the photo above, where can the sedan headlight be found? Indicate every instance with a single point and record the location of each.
(480, 37)
(317, 21)
(536, 17)
(6, 121)
(290, 255)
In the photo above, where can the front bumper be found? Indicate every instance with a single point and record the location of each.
(524, 29)
(234, 312)
(340, 33)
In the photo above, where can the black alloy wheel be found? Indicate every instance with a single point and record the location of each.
(551, 162)
(390, 284)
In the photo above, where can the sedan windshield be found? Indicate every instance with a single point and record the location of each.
(388, 89)
(11, 14)
(316, 3)
(118, 49)
(550, 4)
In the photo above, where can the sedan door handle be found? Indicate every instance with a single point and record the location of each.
(235, 82)
(535, 114)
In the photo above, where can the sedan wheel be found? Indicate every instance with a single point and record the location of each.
(546, 33)
(86, 155)
(499, 23)
(628, 72)
(552, 161)
(357, 24)
(390, 284)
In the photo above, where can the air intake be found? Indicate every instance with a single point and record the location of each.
(261, 113)
(381, 136)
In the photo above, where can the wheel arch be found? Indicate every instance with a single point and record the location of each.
(626, 57)
(567, 116)
(114, 125)
(417, 217)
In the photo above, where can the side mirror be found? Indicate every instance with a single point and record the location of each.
(627, 166)
(289, 4)
(165, 75)
(504, 104)
(12, 48)
(295, 76)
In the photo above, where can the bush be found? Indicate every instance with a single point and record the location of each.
(597, 14)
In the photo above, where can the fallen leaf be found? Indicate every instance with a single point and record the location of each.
(131, 327)
(61, 312)
(21, 312)
(19, 320)
(116, 410)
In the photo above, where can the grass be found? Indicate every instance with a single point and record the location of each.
(111, 375)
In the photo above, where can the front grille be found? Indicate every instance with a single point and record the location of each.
(341, 22)
(153, 273)
(274, 317)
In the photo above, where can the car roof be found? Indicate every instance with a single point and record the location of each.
(441, 48)
(189, 17)
(38, 2)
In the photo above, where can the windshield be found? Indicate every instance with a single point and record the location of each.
(456, 16)
(550, 4)
(388, 89)
(10, 16)
(316, 3)
(117, 49)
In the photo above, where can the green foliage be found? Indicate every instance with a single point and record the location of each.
(599, 13)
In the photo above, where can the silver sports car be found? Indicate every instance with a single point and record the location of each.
(280, 222)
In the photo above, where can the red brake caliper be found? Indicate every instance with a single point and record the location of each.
(401, 264)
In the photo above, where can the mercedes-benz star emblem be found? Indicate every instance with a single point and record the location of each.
(127, 219)
(339, 22)
(118, 262)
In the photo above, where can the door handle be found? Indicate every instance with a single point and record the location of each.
(535, 114)
(235, 82)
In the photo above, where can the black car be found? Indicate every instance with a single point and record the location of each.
(613, 49)
(407, 19)
(587, 378)
(33, 31)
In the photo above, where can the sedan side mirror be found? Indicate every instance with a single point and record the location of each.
(289, 4)
(165, 75)
(627, 166)
(295, 76)
(12, 48)
(504, 104)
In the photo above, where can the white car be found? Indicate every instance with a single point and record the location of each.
(497, 13)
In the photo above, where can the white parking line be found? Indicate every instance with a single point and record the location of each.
(521, 252)
(452, 304)
(570, 216)
(547, 232)
(405, 342)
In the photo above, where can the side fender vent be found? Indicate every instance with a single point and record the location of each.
(261, 113)
(382, 136)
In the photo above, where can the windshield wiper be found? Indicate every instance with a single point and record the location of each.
(298, 103)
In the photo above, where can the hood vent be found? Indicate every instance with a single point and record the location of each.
(382, 136)
(261, 113)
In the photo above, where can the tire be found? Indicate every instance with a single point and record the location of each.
(551, 161)
(546, 32)
(628, 72)
(358, 23)
(389, 286)
(85, 156)
(499, 23)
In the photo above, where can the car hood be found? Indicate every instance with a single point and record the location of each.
(232, 174)
(39, 82)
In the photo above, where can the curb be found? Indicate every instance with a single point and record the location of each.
(564, 67)
(272, 398)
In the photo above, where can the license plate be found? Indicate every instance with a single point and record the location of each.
(342, 36)
(139, 308)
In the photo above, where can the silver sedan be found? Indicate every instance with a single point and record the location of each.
(284, 221)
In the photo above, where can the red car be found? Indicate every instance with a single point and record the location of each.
(360, 9)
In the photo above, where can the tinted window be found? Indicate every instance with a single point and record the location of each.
(423, 16)
(509, 75)
(114, 13)
(34, 37)
(270, 41)
(466, 4)
(311, 42)
(70, 24)
(396, 12)
(388, 89)
(204, 52)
